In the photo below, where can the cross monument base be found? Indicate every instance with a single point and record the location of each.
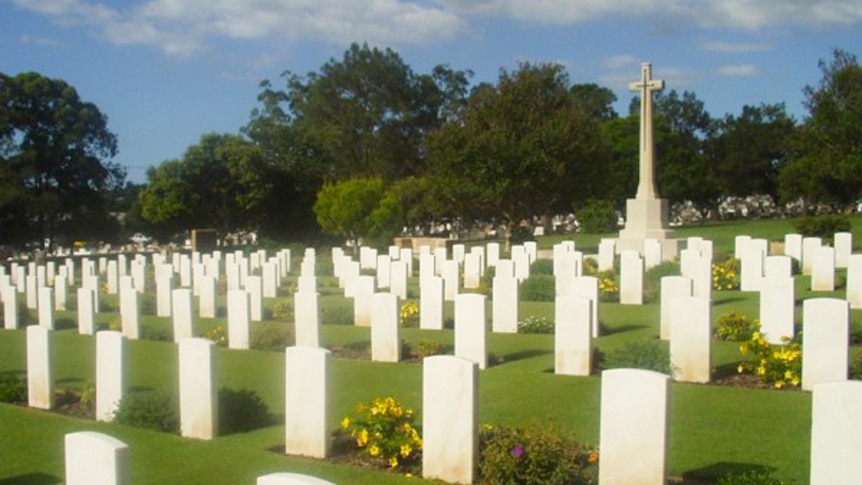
(648, 219)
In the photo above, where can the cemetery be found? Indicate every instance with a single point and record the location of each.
(456, 361)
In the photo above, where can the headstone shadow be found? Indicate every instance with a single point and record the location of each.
(725, 301)
(36, 478)
(712, 473)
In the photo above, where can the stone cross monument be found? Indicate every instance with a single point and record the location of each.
(646, 214)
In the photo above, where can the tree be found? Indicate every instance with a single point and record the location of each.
(54, 163)
(514, 150)
(358, 208)
(220, 183)
(829, 167)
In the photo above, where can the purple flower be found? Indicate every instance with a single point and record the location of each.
(517, 451)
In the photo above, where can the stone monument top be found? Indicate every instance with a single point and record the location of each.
(646, 86)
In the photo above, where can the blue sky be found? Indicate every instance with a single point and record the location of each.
(167, 71)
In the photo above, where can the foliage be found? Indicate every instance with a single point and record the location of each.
(217, 335)
(609, 290)
(642, 354)
(735, 327)
(13, 388)
(387, 431)
(750, 477)
(150, 410)
(534, 324)
(511, 456)
(220, 183)
(725, 276)
(823, 226)
(652, 279)
(358, 208)
(855, 370)
(54, 174)
(240, 411)
(427, 348)
(409, 314)
(340, 313)
(274, 337)
(283, 310)
(779, 365)
(542, 267)
(597, 216)
(538, 288)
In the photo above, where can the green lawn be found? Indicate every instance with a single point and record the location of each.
(713, 429)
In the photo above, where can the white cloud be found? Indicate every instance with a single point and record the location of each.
(740, 70)
(43, 41)
(620, 61)
(182, 27)
(735, 47)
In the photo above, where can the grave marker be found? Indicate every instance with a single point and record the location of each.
(198, 388)
(95, 459)
(308, 403)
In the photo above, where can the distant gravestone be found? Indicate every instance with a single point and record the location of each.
(836, 432)
(254, 288)
(809, 245)
(290, 479)
(10, 308)
(652, 253)
(751, 268)
(238, 319)
(385, 335)
(826, 345)
(398, 279)
(493, 253)
(777, 308)
(198, 388)
(206, 301)
(521, 261)
(431, 304)
(451, 280)
(573, 335)
(778, 266)
(691, 339)
(40, 367)
(588, 287)
(504, 307)
(95, 459)
(61, 290)
(631, 278)
(823, 269)
(181, 309)
(740, 246)
(793, 246)
(470, 328)
(307, 315)
(672, 287)
(843, 242)
(111, 365)
(363, 288)
(384, 271)
(472, 270)
(86, 315)
(46, 307)
(163, 295)
(308, 402)
(633, 432)
(129, 314)
(450, 419)
(607, 253)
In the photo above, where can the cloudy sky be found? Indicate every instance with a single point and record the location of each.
(167, 71)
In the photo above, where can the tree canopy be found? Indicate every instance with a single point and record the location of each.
(55, 168)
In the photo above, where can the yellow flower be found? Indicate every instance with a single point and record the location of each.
(373, 450)
(362, 440)
(406, 450)
(393, 462)
(593, 458)
(779, 384)
(740, 369)
(345, 422)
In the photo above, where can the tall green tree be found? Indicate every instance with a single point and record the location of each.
(359, 208)
(221, 183)
(55, 168)
(515, 150)
(829, 167)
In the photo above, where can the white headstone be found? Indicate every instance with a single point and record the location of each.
(10, 308)
(451, 279)
(181, 309)
(809, 244)
(164, 287)
(398, 279)
(129, 314)
(672, 287)
(823, 269)
(40, 367)
(826, 344)
(46, 307)
(588, 287)
(96, 459)
(631, 278)
(493, 253)
(470, 328)
(778, 266)
(504, 308)
(472, 270)
(385, 334)
(691, 339)
(521, 260)
(741, 246)
(652, 253)
(607, 252)
(308, 405)
(254, 288)
(61, 289)
(307, 315)
(290, 479)
(777, 308)
(751, 268)
(573, 348)
(843, 248)
(270, 280)
(634, 427)
(111, 365)
(431, 304)
(836, 432)
(198, 388)
(206, 301)
(86, 315)
(363, 288)
(238, 318)
(450, 419)
(384, 270)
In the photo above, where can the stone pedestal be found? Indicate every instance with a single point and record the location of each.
(647, 219)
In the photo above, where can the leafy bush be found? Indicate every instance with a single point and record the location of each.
(591, 266)
(150, 410)
(735, 327)
(386, 430)
(337, 313)
(597, 217)
(240, 411)
(217, 335)
(824, 226)
(609, 290)
(855, 332)
(539, 288)
(270, 336)
(534, 324)
(542, 266)
(855, 370)
(425, 348)
(147, 304)
(725, 276)
(283, 310)
(779, 365)
(652, 280)
(643, 354)
(514, 456)
(157, 333)
(409, 314)
(750, 477)
(13, 388)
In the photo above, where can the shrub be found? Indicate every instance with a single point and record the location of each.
(385, 430)
(643, 354)
(750, 477)
(157, 333)
(534, 324)
(425, 348)
(337, 313)
(779, 365)
(409, 314)
(652, 280)
(609, 290)
(514, 456)
(538, 288)
(735, 327)
(824, 226)
(270, 336)
(542, 266)
(283, 310)
(486, 282)
(150, 410)
(597, 217)
(241, 411)
(855, 332)
(217, 335)
(147, 304)
(725, 276)
(591, 266)
(13, 388)
(855, 370)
